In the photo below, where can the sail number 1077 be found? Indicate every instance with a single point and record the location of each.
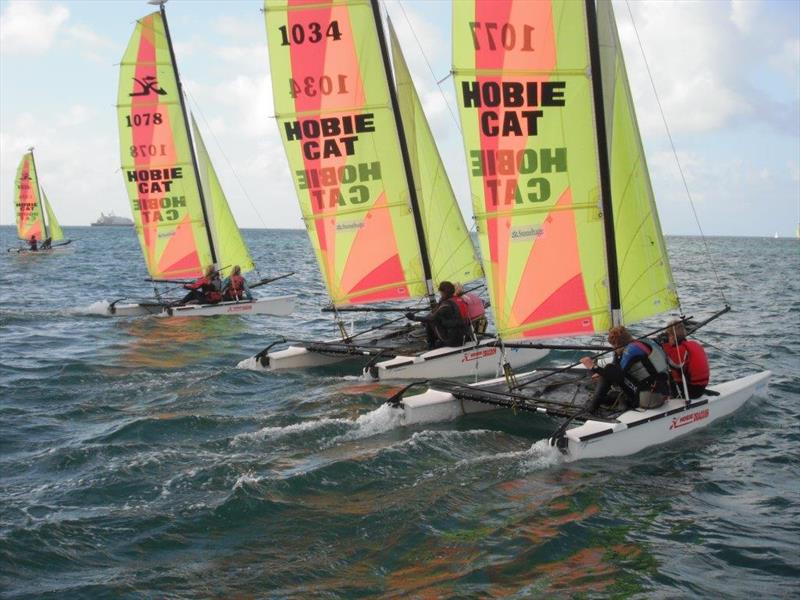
(311, 32)
(495, 35)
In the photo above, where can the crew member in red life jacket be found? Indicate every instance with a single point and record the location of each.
(476, 310)
(33, 245)
(447, 323)
(687, 359)
(234, 287)
(640, 370)
(204, 290)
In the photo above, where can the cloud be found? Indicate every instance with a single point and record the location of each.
(743, 13)
(93, 46)
(30, 27)
(787, 59)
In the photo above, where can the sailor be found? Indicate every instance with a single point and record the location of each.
(640, 370)
(688, 361)
(47, 244)
(234, 287)
(33, 245)
(476, 310)
(205, 289)
(447, 323)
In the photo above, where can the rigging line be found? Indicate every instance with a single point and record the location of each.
(745, 360)
(430, 69)
(720, 288)
(225, 156)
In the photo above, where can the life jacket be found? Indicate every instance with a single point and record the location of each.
(651, 367)
(462, 307)
(235, 289)
(474, 304)
(211, 290)
(692, 357)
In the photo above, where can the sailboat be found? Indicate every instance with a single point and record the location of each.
(376, 201)
(35, 216)
(568, 226)
(181, 215)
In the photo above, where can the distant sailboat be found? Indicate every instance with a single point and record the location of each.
(35, 217)
(380, 211)
(182, 217)
(576, 245)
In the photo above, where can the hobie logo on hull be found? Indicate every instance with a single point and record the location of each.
(688, 419)
(470, 356)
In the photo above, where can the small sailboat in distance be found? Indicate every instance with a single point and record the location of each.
(584, 249)
(182, 217)
(35, 217)
(376, 200)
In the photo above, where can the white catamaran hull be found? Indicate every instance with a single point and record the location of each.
(633, 430)
(277, 305)
(636, 430)
(482, 360)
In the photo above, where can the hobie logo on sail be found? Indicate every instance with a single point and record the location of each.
(330, 136)
(148, 84)
(511, 95)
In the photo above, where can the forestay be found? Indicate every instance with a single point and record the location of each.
(157, 158)
(332, 98)
(525, 92)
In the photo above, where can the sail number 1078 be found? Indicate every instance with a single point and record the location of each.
(311, 32)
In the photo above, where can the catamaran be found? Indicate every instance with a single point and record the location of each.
(568, 224)
(379, 209)
(182, 217)
(32, 221)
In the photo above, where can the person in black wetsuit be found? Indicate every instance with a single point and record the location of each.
(204, 290)
(446, 323)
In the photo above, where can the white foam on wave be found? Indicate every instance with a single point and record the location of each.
(540, 455)
(250, 364)
(95, 308)
(376, 421)
(274, 433)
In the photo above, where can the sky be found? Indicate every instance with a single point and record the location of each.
(727, 73)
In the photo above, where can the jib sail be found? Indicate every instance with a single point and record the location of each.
(53, 228)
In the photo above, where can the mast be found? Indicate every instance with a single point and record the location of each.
(412, 189)
(188, 132)
(602, 156)
(39, 197)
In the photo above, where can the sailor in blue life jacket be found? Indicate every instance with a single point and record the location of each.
(33, 245)
(640, 370)
(203, 290)
(448, 323)
(234, 287)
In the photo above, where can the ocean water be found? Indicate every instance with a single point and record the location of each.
(136, 461)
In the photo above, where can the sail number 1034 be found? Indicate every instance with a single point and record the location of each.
(310, 32)
(495, 35)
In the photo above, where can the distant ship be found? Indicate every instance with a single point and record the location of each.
(112, 220)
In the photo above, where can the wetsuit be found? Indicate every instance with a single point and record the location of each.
(444, 325)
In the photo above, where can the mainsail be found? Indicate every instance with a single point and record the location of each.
(353, 171)
(30, 217)
(157, 159)
(54, 230)
(528, 98)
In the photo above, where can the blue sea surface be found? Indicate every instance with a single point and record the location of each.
(137, 461)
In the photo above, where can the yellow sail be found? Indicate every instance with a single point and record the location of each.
(54, 230)
(156, 157)
(334, 113)
(450, 249)
(28, 208)
(645, 277)
(228, 243)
